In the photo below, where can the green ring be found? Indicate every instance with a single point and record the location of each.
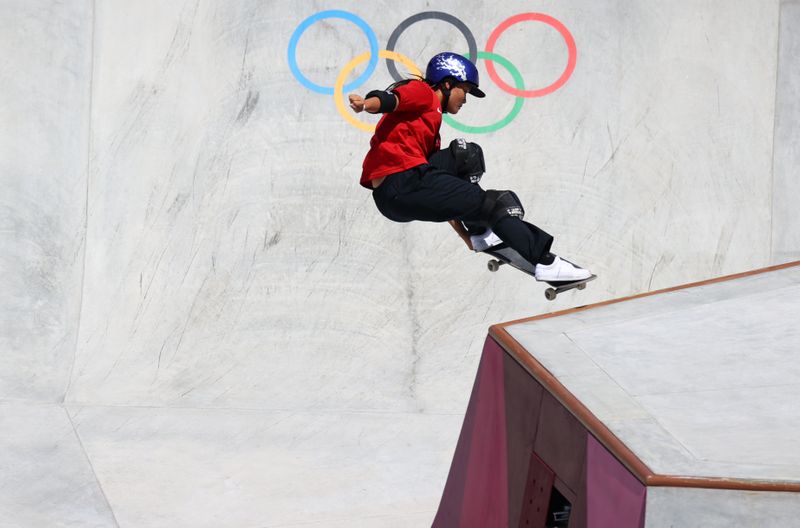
(518, 80)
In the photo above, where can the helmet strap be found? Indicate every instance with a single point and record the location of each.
(445, 96)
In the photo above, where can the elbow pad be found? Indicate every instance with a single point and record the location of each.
(387, 99)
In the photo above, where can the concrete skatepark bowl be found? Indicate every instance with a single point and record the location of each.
(204, 321)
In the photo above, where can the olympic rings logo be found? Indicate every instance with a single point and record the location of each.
(391, 56)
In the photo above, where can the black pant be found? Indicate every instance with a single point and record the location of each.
(434, 194)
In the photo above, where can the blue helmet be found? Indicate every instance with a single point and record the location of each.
(449, 64)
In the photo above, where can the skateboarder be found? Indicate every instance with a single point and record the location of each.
(411, 178)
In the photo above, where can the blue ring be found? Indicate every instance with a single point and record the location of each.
(334, 13)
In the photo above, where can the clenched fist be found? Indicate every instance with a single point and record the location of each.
(356, 103)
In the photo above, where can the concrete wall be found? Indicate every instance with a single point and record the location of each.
(213, 225)
(225, 212)
(786, 168)
(45, 88)
(182, 226)
(45, 81)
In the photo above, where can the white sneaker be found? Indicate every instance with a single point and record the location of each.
(485, 240)
(560, 271)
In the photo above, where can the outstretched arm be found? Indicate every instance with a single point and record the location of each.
(462, 232)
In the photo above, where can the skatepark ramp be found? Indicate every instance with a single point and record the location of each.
(205, 322)
(675, 408)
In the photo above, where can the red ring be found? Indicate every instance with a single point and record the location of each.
(573, 54)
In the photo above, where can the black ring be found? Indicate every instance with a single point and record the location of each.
(472, 46)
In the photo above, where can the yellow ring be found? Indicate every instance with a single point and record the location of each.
(338, 90)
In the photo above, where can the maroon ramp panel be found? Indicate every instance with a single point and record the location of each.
(523, 459)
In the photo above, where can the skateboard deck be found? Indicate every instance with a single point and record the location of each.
(505, 255)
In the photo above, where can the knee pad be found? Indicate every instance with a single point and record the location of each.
(499, 204)
(470, 164)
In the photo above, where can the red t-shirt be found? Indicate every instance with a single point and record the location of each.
(406, 137)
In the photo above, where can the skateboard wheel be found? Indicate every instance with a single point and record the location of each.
(582, 287)
(493, 265)
(550, 294)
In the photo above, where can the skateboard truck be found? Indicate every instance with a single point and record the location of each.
(560, 287)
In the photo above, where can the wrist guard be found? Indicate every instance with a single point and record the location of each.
(387, 99)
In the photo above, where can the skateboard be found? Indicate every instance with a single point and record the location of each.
(505, 255)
